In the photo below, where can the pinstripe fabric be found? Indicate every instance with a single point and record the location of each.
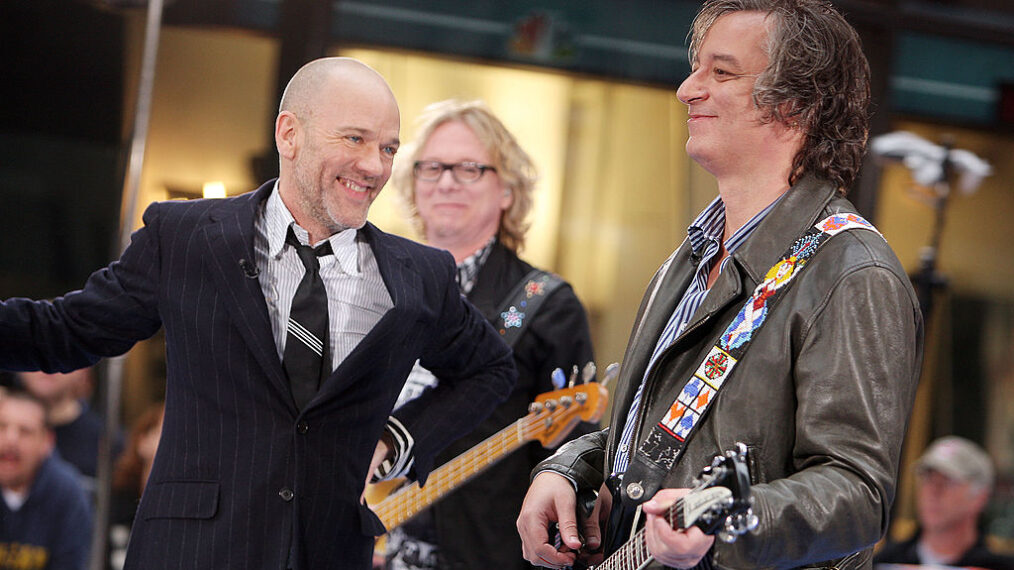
(704, 236)
(240, 474)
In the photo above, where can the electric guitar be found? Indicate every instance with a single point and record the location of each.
(720, 503)
(550, 418)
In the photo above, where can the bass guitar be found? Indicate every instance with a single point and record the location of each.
(720, 503)
(550, 418)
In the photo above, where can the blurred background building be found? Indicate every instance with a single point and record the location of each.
(587, 87)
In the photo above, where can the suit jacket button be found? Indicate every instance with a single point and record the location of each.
(286, 494)
(302, 427)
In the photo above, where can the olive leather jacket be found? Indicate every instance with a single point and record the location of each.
(821, 398)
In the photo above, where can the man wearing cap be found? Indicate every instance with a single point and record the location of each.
(954, 479)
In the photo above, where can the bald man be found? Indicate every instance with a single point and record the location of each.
(290, 325)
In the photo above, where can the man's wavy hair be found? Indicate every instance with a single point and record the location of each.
(512, 163)
(817, 80)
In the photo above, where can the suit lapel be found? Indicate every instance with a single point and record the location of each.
(229, 233)
(404, 285)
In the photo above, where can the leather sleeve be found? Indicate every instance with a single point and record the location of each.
(580, 460)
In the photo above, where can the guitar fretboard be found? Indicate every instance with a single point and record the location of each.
(633, 555)
(412, 499)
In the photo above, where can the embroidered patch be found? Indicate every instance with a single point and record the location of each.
(533, 288)
(512, 318)
(716, 367)
(685, 425)
(696, 395)
(837, 223)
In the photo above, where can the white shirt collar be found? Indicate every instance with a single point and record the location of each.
(278, 218)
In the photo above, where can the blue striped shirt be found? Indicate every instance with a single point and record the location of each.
(704, 235)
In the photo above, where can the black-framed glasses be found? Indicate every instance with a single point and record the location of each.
(463, 172)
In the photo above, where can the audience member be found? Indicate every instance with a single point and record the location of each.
(45, 516)
(954, 480)
(77, 427)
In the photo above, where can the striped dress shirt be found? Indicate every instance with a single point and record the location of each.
(356, 295)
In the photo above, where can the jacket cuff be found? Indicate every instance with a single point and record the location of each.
(580, 461)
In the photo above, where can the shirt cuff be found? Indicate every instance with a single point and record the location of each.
(400, 463)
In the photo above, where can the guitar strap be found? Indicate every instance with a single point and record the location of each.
(524, 300)
(666, 440)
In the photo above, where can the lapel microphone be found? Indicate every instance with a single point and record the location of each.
(249, 269)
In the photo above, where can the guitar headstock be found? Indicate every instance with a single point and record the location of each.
(721, 503)
(554, 414)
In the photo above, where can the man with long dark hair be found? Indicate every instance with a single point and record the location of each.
(783, 322)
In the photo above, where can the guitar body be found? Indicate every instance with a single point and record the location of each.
(720, 504)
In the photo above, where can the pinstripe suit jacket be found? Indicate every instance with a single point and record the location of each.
(241, 478)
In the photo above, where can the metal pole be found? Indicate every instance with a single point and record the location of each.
(113, 382)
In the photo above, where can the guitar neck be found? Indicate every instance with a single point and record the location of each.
(633, 555)
(411, 499)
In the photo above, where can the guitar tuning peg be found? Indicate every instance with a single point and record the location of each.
(726, 536)
(588, 372)
(738, 525)
(551, 405)
(534, 407)
(558, 378)
(566, 401)
(611, 371)
(752, 521)
(573, 377)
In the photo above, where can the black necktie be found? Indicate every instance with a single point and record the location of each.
(306, 346)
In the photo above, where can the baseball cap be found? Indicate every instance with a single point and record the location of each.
(958, 458)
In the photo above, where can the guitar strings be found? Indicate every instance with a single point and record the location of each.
(634, 553)
(408, 498)
(412, 498)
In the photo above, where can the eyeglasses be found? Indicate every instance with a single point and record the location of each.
(463, 172)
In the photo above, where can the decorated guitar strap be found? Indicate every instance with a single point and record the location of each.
(667, 438)
(521, 304)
